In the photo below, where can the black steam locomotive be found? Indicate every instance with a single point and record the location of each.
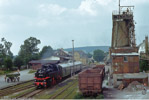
(49, 74)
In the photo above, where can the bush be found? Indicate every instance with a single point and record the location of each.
(100, 96)
(78, 96)
(2, 72)
(107, 83)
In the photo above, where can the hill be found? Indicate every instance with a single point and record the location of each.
(89, 49)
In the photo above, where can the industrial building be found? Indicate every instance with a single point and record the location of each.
(123, 51)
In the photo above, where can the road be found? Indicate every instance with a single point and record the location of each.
(24, 76)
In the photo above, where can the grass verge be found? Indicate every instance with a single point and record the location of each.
(32, 71)
(22, 92)
(80, 96)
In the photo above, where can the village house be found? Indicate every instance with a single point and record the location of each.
(81, 56)
(59, 56)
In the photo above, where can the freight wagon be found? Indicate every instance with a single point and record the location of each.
(49, 74)
(90, 80)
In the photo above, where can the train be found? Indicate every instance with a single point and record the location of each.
(50, 74)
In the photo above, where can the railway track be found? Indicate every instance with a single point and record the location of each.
(30, 94)
(34, 92)
(63, 90)
(65, 97)
(16, 84)
(28, 91)
(16, 88)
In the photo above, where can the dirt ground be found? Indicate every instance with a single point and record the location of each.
(113, 93)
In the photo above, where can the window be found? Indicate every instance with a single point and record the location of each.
(125, 59)
(119, 79)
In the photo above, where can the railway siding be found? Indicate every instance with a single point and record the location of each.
(61, 94)
(16, 88)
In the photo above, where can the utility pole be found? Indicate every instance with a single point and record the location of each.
(119, 7)
(73, 56)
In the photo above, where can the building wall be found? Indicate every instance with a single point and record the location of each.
(36, 66)
(83, 60)
(118, 79)
(124, 50)
(78, 58)
(143, 80)
(120, 36)
(120, 66)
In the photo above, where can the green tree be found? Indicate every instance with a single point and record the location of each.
(46, 51)
(6, 47)
(5, 51)
(29, 49)
(98, 55)
(18, 62)
(8, 63)
(89, 55)
(143, 65)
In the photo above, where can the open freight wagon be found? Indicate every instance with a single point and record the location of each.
(90, 81)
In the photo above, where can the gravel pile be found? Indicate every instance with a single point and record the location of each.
(134, 86)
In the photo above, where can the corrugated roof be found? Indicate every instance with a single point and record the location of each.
(52, 58)
(70, 64)
(44, 61)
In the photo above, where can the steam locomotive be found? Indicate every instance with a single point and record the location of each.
(49, 74)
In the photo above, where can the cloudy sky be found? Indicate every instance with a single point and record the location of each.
(57, 22)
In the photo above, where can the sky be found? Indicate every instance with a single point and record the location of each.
(58, 22)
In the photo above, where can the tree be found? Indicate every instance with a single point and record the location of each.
(144, 65)
(7, 46)
(46, 51)
(98, 55)
(5, 50)
(89, 55)
(8, 63)
(18, 62)
(29, 49)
